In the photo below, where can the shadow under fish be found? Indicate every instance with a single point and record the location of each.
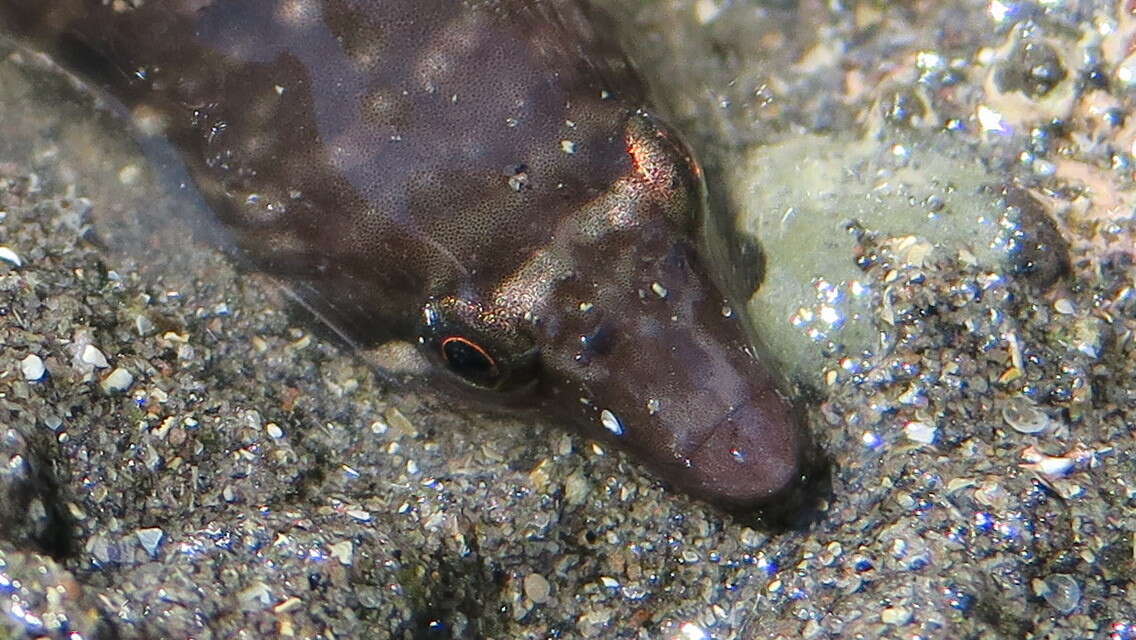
(474, 192)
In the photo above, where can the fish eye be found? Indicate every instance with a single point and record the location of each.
(478, 347)
(471, 361)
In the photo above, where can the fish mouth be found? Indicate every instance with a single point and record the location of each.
(750, 455)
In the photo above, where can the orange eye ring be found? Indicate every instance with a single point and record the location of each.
(470, 360)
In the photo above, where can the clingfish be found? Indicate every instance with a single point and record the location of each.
(480, 181)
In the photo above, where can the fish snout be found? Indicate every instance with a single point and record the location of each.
(749, 456)
(716, 431)
(690, 399)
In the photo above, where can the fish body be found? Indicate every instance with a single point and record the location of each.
(482, 179)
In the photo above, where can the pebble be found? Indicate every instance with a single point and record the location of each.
(896, 615)
(921, 432)
(1051, 466)
(291, 604)
(1064, 306)
(32, 368)
(662, 512)
(144, 326)
(117, 381)
(344, 552)
(150, 539)
(537, 588)
(257, 596)
(53, 422)
(399, 422)
(129, 174)
(1024, 417)
(576, 489)
(93, 357)
(1061, 591)
(1126, 72)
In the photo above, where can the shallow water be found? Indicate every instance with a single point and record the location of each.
(254, 476)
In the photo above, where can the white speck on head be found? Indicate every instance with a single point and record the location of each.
(659, 289)
(653, 405)
(518, 180)
(611, 422)
(9, 256)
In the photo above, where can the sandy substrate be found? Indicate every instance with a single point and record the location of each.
(183, 455)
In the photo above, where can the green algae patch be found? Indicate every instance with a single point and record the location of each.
(807, 200)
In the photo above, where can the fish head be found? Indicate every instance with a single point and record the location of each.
(617, 327)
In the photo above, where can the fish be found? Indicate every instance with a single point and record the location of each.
(478, 189)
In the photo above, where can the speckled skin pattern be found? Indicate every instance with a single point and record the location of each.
(478, 178)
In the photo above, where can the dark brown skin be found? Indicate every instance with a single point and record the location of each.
(478, 178)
